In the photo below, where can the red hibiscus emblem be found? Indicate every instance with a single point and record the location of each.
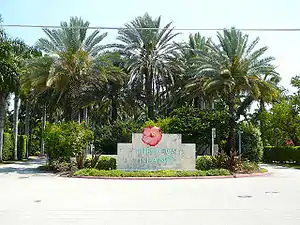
(289, 142)
(152, 135)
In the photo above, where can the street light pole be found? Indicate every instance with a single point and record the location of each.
(240, 141)
(213, 136)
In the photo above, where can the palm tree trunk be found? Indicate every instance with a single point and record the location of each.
(202, 104)
(86, 120)
(27, 117)
(114, 109)
(2, 120)
(85, 115)
(78, 118)
(232, 127)
(43, 130)
(196, 102)
(15, 125)
(149, 95)
(68, 112)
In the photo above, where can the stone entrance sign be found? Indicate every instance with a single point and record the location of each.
(153, 150)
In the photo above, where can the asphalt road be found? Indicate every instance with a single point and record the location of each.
(30, 198)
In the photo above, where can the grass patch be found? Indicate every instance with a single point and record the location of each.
(160, 173)
(263, 170)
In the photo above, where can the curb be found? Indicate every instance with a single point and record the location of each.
(176, 178)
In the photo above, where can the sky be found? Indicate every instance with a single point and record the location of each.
(284, 46)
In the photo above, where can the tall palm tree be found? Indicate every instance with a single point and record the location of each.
(20, 53)
(34, 87)
(232, 70)
(73, 52)
(149, 50)
(110, 90)
(8, 79)
(188, 51)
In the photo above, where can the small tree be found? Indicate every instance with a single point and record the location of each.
(66, 140)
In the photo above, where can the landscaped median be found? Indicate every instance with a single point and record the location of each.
(159, 173)
(105, 167)
(206, 168)
(162, 174)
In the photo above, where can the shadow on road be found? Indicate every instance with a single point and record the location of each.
(7, 170)
(30, 166)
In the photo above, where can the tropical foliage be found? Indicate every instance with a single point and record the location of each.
(76, 91)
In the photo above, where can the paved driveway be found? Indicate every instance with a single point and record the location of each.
(28, 199)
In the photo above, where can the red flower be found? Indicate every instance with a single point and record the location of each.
(152, 135)
(289, 142)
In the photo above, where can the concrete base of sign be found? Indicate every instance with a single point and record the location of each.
(168, 154)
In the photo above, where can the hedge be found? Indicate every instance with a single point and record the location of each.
(205, 162)
(101, 163)
(222, 161)
(281, 154)
(107, 137)
(22, 141)
(160, 173)
(252, 145)
(8, 147)
(107, 163)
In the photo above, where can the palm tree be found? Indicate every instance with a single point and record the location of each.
(34, 87)
(188, 51)
(20, 52)
(8, 79)
(148, 50)
(233, 70)
(73, 52)
(109, 92)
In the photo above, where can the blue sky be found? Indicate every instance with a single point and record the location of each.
(285, 46)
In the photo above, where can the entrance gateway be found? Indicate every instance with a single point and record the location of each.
(153, 150)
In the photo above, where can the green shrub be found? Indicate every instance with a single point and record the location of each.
(107, 137)
(87, 163)
(66, 140)
(205, 162)
(8, 147)
(34, 142)
(163, 124)
(107, 163)
(160, 173)
(195, 126)
(252, 145)
(220, 161)
(22, 143)
(92, 162)
(60, 167)
(281, 154)
(250, 167)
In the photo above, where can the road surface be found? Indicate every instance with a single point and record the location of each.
(31, 198)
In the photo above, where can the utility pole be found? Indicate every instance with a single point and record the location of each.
(240, 141)
(213, 136)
